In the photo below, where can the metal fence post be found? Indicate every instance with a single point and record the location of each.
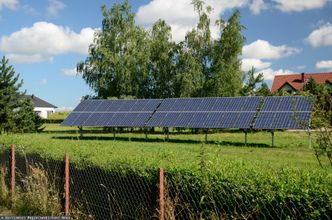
(161, 194)
(13, 170)
(66, 184)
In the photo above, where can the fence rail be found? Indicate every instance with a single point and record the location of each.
(95, 193)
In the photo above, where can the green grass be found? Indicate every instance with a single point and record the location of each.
(58, 115)
(180, 152)
(279, 180)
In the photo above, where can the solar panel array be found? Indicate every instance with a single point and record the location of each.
(289, 112)
(224, 112)
(112, 113)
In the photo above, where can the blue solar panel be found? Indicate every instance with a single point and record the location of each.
(284, 112)
(69, 121)
(81, 106)
(224, 112)
(112, 113)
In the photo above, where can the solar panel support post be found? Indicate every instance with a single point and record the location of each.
(167, 134)
(245, 137)
(80, 128)
(146, 134)
(309, 137)
(206, 135)
(114, 133)
(272, 133)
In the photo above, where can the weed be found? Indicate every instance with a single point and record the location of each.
(38, 196)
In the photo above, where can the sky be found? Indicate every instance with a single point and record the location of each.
(45, 39)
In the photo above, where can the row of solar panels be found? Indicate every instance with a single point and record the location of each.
(292, 112)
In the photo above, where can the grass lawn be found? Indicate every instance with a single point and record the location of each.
(182, 151)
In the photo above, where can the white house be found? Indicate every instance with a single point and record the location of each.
(43, 108)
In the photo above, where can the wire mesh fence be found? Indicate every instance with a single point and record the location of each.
(195, 198)
(96, 193)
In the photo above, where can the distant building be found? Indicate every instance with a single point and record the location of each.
(294, 82)
(43, 108)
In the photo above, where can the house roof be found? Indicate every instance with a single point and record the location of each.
(297, 82)
(37, 102)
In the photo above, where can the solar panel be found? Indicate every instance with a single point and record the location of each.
(284, 112)
(222, 112)
(112, 113)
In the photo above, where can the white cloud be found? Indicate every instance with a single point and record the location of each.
(257, 6)
(299, 5)
(180, 15)
(324, 64)
(321, 36)
(11, 4)
(70, 72)
(247, 64)
(270, 73)
(43, 41)
(28, 58)
(261, 49)
(54, 7)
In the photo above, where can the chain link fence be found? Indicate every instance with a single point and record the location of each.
(96, 193)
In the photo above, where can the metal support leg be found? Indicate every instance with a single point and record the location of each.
(167, 133)
(272, 133)
(309, 139)
(146, 135)
(114, 132)
(245, 137)
(80, 130)
(206, 135)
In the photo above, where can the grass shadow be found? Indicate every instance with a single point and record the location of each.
(161, 140)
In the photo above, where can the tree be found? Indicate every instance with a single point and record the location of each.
(313, 87)
(126, 61)
(9, 94)
(321, 118)
(15, 114)
(26, 120)
(250, 82)
(117, 61)
(226, 62)
(161, 64)
(263, 90)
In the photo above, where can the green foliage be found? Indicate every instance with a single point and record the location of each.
(161, 65)
(240, 191)
(263, 90)
(226, 53)
(126, 60)
(256, 182)
(26, 120)
(16, 111)
(321, 120)
(9, 95)
(251, 82)
(59, 115)
(117, 61)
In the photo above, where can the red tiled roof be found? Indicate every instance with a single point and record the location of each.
(296, 81)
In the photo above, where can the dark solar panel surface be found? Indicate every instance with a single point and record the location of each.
(284, 112)
(112, 113)
(224, 112)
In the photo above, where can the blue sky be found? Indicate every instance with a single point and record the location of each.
(45, 39)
